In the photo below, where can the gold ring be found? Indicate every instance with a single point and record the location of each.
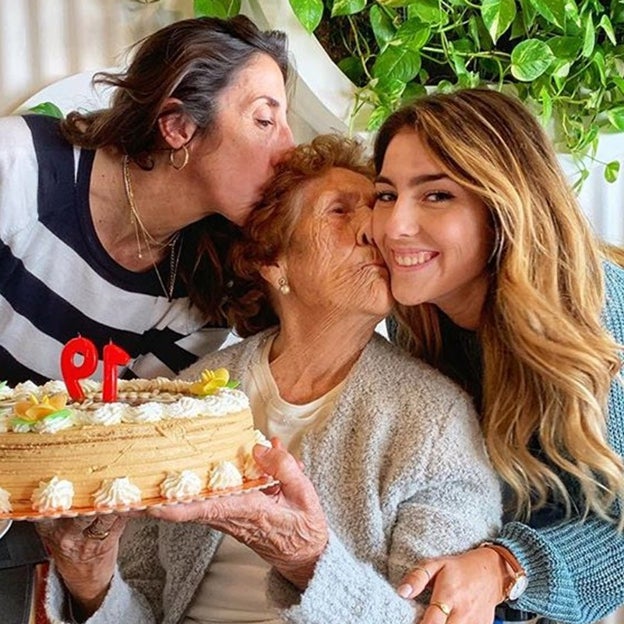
(442, 606)
(96, 535)
(425, 571)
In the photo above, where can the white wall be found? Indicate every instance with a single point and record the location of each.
(603, 202)
(44, 40)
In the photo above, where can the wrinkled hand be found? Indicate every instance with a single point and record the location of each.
(470, 585)
(286, 525)
(84, 552)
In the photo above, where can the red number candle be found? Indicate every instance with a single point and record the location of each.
(72, 373)
(114, 356)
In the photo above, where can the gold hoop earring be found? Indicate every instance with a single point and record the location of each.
(185, 159)
(282, 284)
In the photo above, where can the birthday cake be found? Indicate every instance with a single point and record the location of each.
(159, 440)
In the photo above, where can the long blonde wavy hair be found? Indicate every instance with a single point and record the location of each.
(548, 363)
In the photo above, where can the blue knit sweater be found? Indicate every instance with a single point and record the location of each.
(576, 569)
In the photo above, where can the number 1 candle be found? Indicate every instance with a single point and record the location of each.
(114, 356)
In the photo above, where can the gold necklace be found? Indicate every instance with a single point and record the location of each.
(141, 232)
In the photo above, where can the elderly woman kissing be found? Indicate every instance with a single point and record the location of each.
(395, 466)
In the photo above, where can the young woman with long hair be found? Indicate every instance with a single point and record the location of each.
(502, 285)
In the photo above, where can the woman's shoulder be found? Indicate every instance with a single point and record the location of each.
(614, 299)
(395, 397)
(12, 128)
(389, 369)
(614, 279)
(16, 143)
(380, 353)
(31, 131)
(19, 178)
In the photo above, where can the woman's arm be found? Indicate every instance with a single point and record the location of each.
(84, 581)
(574, 568)
(121, 603)
(317, 577)
(288, 529)
(342, 589)
(286, 525)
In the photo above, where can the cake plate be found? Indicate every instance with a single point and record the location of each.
(75, 512)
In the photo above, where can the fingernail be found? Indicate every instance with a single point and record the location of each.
(404, 591)
(260, 450)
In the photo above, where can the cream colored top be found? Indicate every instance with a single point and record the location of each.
(234, 587)
(276, 417)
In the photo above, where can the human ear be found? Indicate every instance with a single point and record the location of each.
(272, 273)
(176, 127)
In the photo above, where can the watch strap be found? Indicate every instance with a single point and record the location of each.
(513, 564)
(511, 561)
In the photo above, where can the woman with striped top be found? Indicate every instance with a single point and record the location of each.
(114, 224)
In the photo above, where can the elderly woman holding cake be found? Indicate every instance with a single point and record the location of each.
(379, 457)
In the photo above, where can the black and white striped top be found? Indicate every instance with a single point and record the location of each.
(56, 279)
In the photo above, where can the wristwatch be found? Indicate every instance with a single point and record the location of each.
(519, 580)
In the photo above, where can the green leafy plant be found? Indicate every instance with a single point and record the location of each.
(563, 58)
(217, 8)
(47, 108)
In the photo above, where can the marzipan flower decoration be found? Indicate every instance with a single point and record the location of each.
(211, 381)
(5, 391)
(33, 410)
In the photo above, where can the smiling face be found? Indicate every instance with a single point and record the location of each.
(433, 233)
(252, 136)
(331, 263)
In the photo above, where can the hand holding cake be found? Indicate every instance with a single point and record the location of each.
(286, 526)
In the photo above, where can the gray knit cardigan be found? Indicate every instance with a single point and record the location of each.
(401, 469)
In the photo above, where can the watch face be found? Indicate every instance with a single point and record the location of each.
(518, 587)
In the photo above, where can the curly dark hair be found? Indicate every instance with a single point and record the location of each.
(268, 231)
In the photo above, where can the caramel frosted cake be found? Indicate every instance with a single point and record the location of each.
(160, 440)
